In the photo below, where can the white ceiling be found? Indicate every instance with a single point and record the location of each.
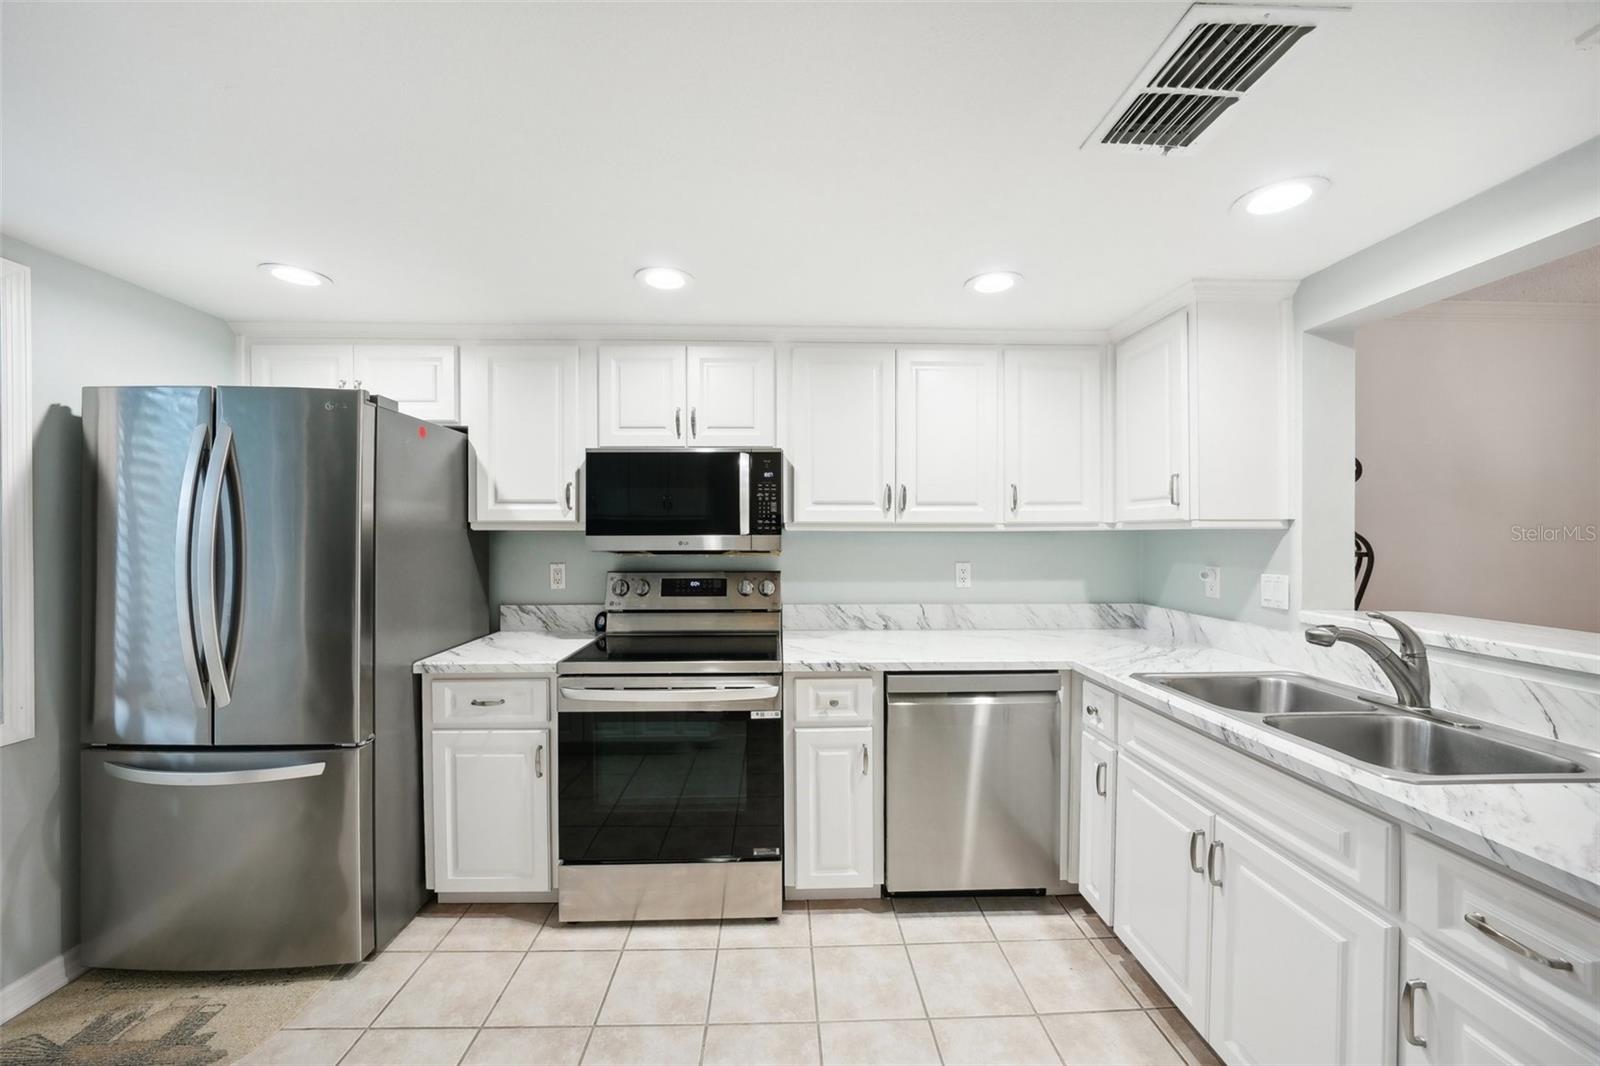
(810, 164)
(1574, 279)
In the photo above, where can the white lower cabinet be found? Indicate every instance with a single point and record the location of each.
(1097, 797)
(491, 810)
(833, 808)
(1449, 1016)
(1163, 902)
(1300, 973)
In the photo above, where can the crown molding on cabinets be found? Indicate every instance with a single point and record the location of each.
(1494, 310)
(462, 332)
(1191, 292)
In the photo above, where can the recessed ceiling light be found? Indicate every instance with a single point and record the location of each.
(667, 279)
(994, 282)
(1280, 196)
(296, 275)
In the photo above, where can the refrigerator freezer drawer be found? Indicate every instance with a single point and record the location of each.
(221, 860)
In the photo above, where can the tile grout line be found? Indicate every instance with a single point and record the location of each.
(816, 999)
(927, 1019)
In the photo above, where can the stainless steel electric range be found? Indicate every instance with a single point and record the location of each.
(669, 752)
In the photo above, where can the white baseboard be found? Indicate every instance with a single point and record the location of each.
(30, 988)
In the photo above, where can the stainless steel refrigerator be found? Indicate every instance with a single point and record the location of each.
(267, 564)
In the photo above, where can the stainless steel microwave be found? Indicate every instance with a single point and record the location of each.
(684, 500)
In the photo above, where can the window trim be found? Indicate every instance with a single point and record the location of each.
(16, 502)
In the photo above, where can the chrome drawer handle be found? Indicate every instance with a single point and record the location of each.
(1481, 924)
(1100, 779)
(1212, 854)
(1197, 839)
(1408, 1005)
(489, 703)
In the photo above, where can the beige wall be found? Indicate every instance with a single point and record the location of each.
(1477, 424)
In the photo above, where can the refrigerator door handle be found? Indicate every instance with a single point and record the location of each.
(183, 567)
(202, 778)
(205, 566)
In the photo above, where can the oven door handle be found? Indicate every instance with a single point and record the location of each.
(721, 694)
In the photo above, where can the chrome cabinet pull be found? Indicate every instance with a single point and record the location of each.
(538, 761)
(902, 499)
(1091, 710)
(358, 383)
(888, 497)
(694, 422)
(1408, 1007)
(489, 703)
(343, 383)
(677, 422)
(1100, 779)
(1172, 489)
(866, 756)
(1013, 497)
(1197, 839)
(1212, 853)
(568, 497)
(1481, 923)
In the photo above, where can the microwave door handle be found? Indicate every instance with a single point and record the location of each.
(183, 567)
(744, 494)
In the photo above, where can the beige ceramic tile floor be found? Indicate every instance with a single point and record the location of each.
(952, 980)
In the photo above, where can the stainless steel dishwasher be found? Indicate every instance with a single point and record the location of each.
(973, 780)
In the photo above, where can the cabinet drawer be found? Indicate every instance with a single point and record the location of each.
(1352, 847)
(1443, 888)
(490, 702)
(832, 699)
(1099, 707)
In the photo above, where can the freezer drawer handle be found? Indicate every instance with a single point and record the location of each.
(140, 776)
(1480, 922)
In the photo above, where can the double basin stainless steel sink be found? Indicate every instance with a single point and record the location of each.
(1399, 742)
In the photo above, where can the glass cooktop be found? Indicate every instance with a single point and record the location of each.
(678, 652)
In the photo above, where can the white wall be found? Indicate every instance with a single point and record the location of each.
(88, 329)
(1170, 562)
(1474, 420)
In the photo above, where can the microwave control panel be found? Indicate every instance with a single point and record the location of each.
(766, 493)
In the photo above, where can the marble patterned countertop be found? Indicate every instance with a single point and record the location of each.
(1548, 832)
(1561, 649)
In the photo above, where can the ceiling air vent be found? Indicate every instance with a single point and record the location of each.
(1216, 54)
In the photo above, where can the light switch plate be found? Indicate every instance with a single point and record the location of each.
(1275, 591)
(963, 575)
(558, 575)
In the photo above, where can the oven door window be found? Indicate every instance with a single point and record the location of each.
(662, 494)
(662, 786)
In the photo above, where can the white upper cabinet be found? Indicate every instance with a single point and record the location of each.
(1053, 468)
(421, 378)
(665, 395)
(947, 437)
(301, 366)
(642, 398)
(1152, 430)
(842, 434)
(521, 406)
(732, 401)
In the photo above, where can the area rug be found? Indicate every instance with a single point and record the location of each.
(139, 1018)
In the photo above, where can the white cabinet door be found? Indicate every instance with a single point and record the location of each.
(1052, 433)
(1300, 973)
(731, 396)
(1458, 1018)
(1152, 433)
(947, 436)
(421, 378)
(301, 366)
(833, 804)
(520, 404)
(491, 810)
(1162, 901)
(841, 435)
(642, 395)
(1097, 792)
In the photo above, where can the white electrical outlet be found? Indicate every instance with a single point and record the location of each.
(1275, 591)
(1211, 581)
(558, 575)
(963, 575)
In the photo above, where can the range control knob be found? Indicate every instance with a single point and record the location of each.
(619, 587)
(768, 587)
(642, 588)
(746, 587)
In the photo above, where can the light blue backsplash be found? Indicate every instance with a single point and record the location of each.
(866, 567)
(1171, 560)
